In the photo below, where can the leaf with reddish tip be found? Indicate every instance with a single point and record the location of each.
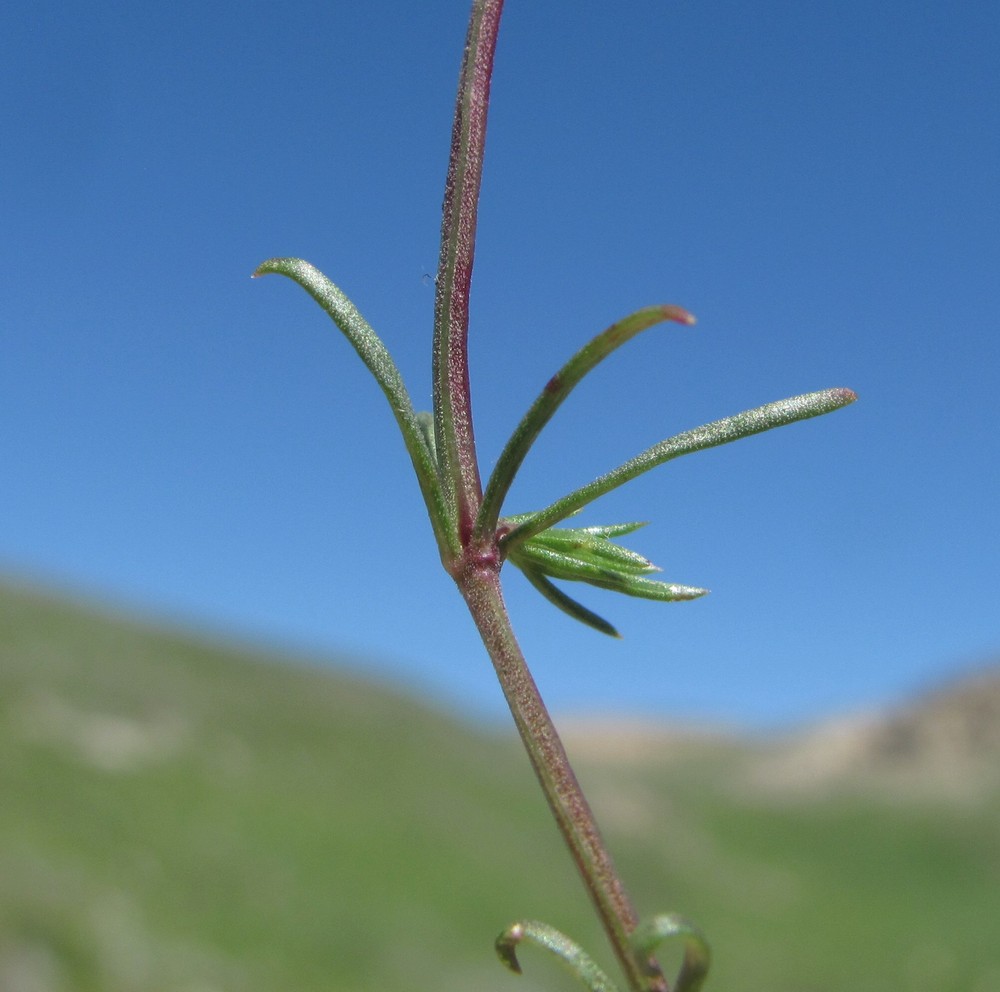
(555, 392)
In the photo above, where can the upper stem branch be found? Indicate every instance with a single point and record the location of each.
(452, 402)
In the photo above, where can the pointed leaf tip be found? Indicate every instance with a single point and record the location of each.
(548, 938)
(689, 592)
(679, 315)
(506, 947)
(266, 267)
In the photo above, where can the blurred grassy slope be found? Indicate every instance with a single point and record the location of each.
(179, 815)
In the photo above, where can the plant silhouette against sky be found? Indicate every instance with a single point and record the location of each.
(474, 538)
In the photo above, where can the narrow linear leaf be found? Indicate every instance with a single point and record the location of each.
(615, 530)
(561, 566)
(566, 603)
(376, 357)
(586, 547)
(598, 530)
(661, 592)
(719, 432)
(569, 953)
(648, 936)
(551, 397)
(425, 421)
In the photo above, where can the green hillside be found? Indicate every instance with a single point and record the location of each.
(176, 815)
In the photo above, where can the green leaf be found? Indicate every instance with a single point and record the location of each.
(762, 418)
(586, 554)
(598, 573)
(376, 357)
(425, 423)
(566, 603)
(697, 956)
(551, 397)
(578, 545)
(548, 938)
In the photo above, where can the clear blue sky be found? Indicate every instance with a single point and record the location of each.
(818, 182)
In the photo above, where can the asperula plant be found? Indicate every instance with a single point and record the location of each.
(475, 539)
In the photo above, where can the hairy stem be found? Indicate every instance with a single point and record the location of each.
(480, 585)
(452, 402)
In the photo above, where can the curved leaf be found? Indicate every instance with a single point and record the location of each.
(697, 956)
(551, 397)
(376, 357)
(571, 954)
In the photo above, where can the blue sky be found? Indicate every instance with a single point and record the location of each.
(817, 182)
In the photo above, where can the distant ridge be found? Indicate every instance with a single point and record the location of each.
(944, 742)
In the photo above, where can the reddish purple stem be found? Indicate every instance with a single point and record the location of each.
(458, 241)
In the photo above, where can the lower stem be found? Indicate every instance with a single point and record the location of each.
(481, 589)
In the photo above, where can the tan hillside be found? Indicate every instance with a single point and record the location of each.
(943, 743)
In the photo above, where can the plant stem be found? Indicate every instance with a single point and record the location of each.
(452, 403)
(480, 585)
